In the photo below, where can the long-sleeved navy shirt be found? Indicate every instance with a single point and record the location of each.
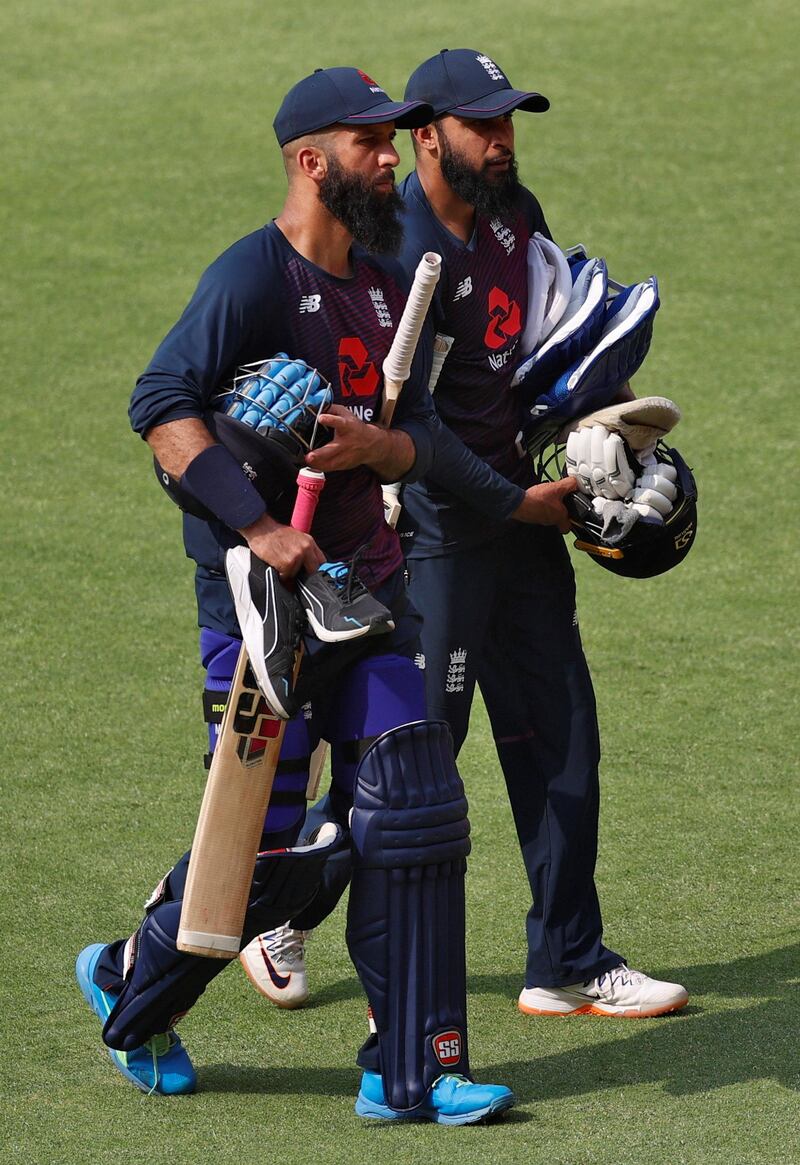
(480, 301)
(261, 297)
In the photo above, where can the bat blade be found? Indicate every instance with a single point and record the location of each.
(236, 797)
(231, 821)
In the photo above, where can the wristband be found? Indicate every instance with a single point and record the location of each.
(217, 480)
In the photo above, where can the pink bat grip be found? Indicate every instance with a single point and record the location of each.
(309, 487)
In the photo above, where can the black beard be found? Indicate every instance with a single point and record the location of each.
(491, 196)
(371, 217)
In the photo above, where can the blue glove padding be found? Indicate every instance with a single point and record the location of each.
(279, 394)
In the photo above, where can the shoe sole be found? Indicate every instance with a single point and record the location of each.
(327, 636)
(372, 1111)
(253, 628)
(285, 1004)
(84, 968)
(607, 1012)
(84, 972)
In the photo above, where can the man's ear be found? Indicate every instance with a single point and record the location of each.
(312, 162)
(426, 139)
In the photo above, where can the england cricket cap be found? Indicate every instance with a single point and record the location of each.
(469, 84)
(342, 96)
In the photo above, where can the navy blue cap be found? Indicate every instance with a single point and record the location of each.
(342, 96)
(467, 83)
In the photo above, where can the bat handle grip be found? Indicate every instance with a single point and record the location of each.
(309, 487)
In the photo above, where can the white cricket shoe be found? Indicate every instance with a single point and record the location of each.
(275, 964)
(620, 992)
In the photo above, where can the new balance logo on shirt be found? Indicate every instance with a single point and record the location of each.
(310, 303)
(464, 289)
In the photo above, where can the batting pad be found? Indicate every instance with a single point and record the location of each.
(549, 290)
(405, 921)
(577, 332)
(593, 381)
(161, 982)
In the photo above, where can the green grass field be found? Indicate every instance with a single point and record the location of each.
(137, 143)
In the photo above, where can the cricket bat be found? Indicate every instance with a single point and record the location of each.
(397, 365)
(236, 797)
(396, 369)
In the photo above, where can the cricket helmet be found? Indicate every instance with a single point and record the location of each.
(268, 421)
(650, 547)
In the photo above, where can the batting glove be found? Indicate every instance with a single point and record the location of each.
(599, 461)
(654, 491)
(280, 394)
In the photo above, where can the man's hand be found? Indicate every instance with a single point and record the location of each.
(283, 547)
(389, 452)
(543, 505)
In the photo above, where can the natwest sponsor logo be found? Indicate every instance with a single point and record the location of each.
(498, 360)
(505, 320)
(358, 376)
(447, 1047)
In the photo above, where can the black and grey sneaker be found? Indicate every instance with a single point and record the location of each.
(338, 606)
(271, 622)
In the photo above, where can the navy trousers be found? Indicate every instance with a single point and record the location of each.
(503, 615)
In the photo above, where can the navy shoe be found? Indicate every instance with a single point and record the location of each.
(338, 606)
(271, 621)
(452, 1100)
(160, 1065)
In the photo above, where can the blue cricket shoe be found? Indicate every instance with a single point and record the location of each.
(160, 1065)
(452, 1100)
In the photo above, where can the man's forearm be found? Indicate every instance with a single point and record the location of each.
(177, 443)
(395, 454)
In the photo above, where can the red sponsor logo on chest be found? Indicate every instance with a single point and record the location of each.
(358, 375)
(505, 320)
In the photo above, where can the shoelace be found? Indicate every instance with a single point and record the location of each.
(157, 1045)
(458, 1080)
(621, 975)
(343, 575)
(287, 944)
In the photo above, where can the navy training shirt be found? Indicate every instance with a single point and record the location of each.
(481, 301)
(261, 297)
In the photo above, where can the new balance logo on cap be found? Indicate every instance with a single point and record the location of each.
(310, 303)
